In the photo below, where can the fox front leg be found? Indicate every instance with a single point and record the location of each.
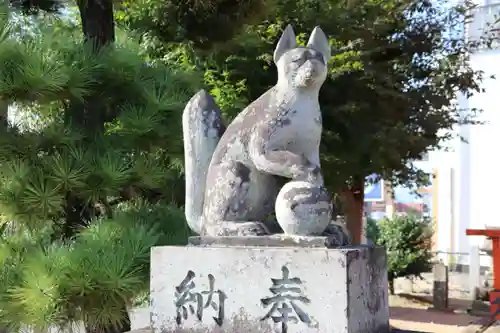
(282, 162)
(314, 159)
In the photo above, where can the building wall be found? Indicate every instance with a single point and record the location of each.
(479, 161)
(468, 176)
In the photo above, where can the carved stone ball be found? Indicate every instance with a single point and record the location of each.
(303, 208)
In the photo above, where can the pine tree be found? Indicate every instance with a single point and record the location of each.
(93, 133)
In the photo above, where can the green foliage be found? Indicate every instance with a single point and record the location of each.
(372, 230)
(390, 97)
(168, 219)
(407, 240)
(202, 23)
(58, 168)
(44, 283)
(92, 278)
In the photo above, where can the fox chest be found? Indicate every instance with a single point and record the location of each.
(297, 127)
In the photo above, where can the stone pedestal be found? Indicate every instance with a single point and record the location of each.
(230, 286)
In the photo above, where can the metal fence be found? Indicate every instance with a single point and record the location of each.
(464, 279)
(460, 261)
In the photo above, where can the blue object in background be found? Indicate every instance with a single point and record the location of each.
(374, 191)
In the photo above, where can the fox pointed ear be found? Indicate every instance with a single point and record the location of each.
(286, 43)
(319, 42)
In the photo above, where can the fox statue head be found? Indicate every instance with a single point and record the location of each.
(302, 67)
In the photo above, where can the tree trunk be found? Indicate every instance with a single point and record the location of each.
(98, 31)
(77, 215)
(98, 28)
(390, 205)
(98, 24)
(4, 114)
(353, 203)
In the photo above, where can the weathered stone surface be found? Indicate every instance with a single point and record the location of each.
(303, 208)
(202, 127)
(337, 233)
(440, 290)
(329, 290)
(279, 240)
(333, 237)
(277, 135)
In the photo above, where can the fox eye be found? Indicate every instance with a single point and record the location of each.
(316, 55)
(320, 57)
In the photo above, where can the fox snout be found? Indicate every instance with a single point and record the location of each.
(311, 68)
(310, 73)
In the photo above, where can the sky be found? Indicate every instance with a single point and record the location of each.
(405, 195)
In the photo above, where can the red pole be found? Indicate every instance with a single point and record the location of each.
(496, 262)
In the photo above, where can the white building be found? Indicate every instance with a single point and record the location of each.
(468, 176)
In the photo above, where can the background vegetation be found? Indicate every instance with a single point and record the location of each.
(408, 242)
(390, 95)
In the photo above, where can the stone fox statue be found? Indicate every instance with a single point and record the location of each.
(231, 174)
